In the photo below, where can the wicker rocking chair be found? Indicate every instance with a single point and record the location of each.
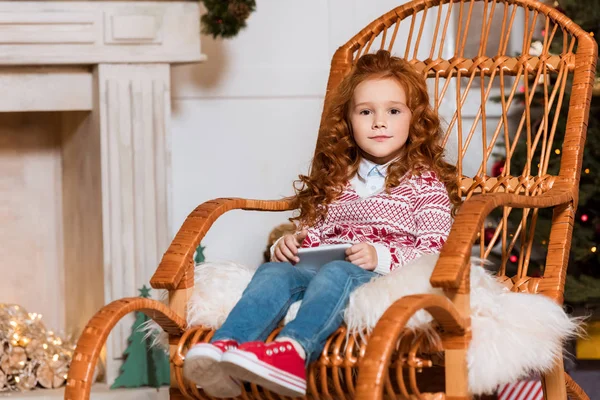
(461, 74)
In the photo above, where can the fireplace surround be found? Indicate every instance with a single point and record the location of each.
(85, 152)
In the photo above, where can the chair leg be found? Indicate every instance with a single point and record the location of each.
(456, 374)
(554, 383)
(175, 394)
(574, 391)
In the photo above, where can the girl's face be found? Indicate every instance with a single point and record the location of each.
(380, 119)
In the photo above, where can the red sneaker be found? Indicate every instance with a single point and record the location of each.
(276, 366)
(202, 365)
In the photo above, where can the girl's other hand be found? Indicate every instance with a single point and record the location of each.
(287, 248)
(363, 255)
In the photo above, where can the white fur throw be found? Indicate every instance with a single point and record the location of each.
(513, 334)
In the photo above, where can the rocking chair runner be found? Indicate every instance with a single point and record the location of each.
(385, 366)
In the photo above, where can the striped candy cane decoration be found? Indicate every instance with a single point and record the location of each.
(522, 390)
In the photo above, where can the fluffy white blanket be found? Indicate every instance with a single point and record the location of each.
(513, 334)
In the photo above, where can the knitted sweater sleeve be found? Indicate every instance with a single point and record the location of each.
(433, 219)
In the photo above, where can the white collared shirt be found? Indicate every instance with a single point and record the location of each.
(370, 178)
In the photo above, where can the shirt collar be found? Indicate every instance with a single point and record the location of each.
(368, 168)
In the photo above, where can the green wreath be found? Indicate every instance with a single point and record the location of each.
(225, 18)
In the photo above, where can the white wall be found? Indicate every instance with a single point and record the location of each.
(245, 121)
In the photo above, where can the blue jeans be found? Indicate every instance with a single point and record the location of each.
(273, 289)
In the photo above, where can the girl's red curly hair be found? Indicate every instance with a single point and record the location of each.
(337, 157)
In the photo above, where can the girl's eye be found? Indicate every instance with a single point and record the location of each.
(394, 111)
(365, 112)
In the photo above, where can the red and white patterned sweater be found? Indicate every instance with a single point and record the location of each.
(413, 219)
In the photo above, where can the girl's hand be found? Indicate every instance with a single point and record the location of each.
(287, 248)
(363, 255)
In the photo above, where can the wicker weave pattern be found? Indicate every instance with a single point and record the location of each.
(477, 72)
(334, 375)
(474, 69)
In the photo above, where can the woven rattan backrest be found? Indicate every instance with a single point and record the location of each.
(497, 95)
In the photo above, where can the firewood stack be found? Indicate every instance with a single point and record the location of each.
(30, 355)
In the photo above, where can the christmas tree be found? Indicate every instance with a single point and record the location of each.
(144, 364)
(583, 280)
(199, 256)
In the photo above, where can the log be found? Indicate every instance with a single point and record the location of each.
(14, 362)
(51, 377)
(3, 381)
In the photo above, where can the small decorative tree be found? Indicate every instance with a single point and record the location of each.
(199, 257)
(144, 364)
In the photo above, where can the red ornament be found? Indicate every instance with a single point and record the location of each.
(513, 259)
(584, 217)
(498, 168)
(488, 234)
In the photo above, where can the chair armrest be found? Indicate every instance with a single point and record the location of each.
(456, 253)
(180, 253)
(383, 342)
(93, 338)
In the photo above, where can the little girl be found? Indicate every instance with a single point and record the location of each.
(378, 181)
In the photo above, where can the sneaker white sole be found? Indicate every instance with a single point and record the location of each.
(247, 367)
(202, 366)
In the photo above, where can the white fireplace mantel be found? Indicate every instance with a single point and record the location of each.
(85, 189)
